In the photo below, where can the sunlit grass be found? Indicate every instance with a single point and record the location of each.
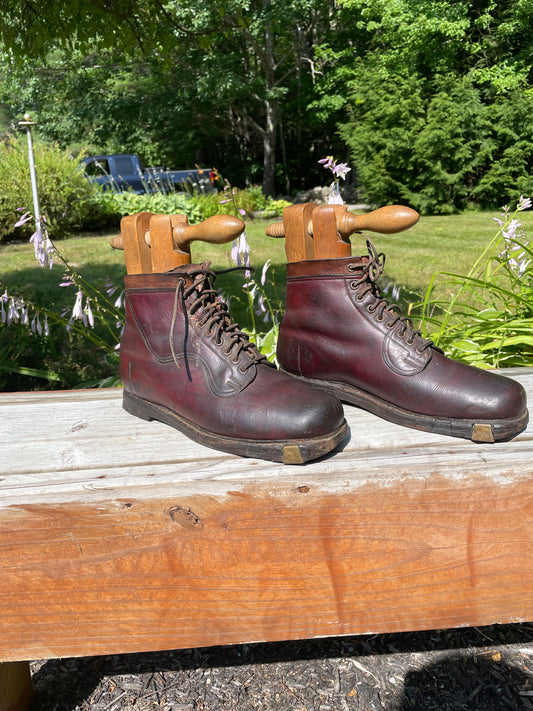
(449, 243)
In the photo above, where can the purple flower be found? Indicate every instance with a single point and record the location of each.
(25, 218)
(43, 247)
(118, 301)
(240, 252)
(524, 203)
(340, 170)
(327, 162)
(67, 280)
(36, 326)
(88, 312)
(510, 232)
(12, 312)
(261, 307)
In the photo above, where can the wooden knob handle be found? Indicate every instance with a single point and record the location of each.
(218, 229)
(117, 242)
(386, 220)
(275, 230)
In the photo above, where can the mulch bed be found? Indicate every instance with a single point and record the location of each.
(477, 669)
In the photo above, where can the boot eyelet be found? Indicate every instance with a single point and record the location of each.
(380, 319)
(235, 361)
(419, 350)
(351, 267)
(390, 326)
(243, 369)
(370, 309)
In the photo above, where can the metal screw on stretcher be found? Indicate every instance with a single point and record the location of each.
(159, 243)
(323, 231)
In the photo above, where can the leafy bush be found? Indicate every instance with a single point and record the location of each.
(66, 197)
(129, 203)
(196, 206)
(488, 322)
(440, 146)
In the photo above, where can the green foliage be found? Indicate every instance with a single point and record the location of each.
(66, 197)
(176, 83)
(488, 321)
(31, 28)
(129, 203)
(433, 100)
(438, 146)
(196, 206)
(274, 208)
(64, 346)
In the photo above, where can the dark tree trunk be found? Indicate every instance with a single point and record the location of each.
(269, 148)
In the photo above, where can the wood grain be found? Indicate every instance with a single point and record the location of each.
(164, 257)
(120, 535)
(328, 242)
(137, 253)
(298, 241)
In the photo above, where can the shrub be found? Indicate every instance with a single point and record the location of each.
(440, 146)
(129, 203)
(66, 197)
(488, 321)
(196, 206)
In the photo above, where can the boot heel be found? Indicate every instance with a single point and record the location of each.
(136, 406)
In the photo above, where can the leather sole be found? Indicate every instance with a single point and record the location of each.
(477, 430)
(288, 451)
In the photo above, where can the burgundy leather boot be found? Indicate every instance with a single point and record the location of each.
(340, 334)
(183, 362)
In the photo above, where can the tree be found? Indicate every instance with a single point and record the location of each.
(245, 59)
(428, 99)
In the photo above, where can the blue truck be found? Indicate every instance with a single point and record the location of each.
(123, 172)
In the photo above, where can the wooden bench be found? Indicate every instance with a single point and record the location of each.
(119, 535)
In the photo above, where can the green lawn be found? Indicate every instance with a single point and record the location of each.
(435, 243)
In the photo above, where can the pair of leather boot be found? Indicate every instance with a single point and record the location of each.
(185, 363)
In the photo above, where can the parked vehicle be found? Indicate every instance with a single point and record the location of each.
(123, 172)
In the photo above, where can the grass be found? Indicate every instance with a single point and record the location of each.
(436, 243)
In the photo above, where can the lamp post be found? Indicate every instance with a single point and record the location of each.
(27, 124)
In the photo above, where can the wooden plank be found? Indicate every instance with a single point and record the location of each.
(15, 686)
(119, 535)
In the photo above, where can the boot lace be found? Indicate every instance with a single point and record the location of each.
(367, 283)
(215, 318)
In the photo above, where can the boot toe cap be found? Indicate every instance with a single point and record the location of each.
(292, 410)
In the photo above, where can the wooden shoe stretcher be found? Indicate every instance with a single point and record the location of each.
(314, 231)
(140, 542)
(159, 243)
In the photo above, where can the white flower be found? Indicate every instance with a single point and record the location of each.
(77, 311)
(264, 272)
(88, 311)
